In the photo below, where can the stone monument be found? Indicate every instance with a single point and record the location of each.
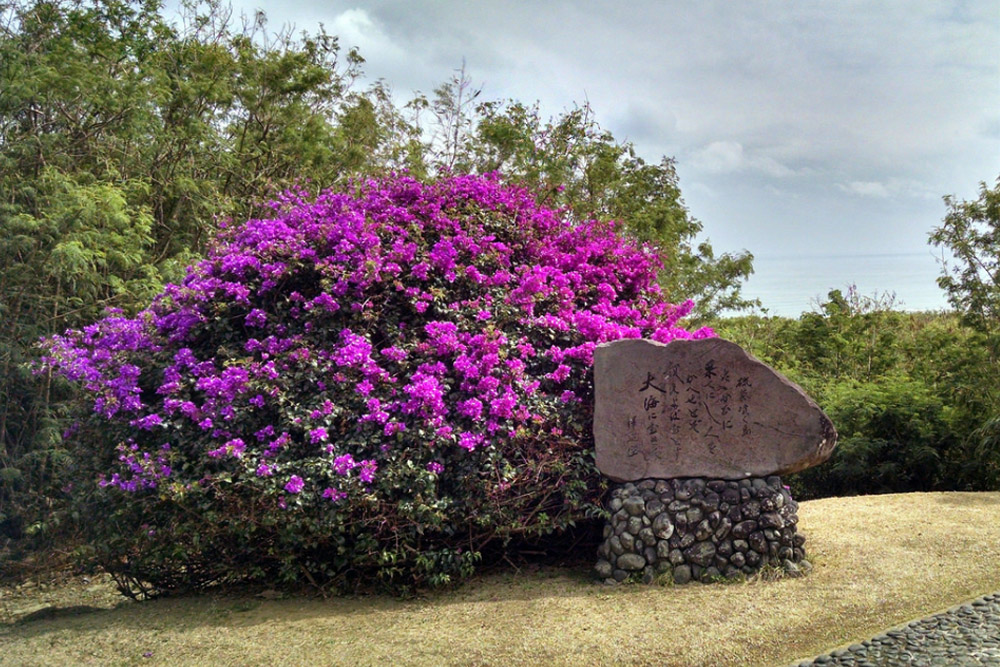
(697, 434)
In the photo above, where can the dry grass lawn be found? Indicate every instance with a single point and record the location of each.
(880, 561)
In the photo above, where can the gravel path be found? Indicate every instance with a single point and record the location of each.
(968, 634)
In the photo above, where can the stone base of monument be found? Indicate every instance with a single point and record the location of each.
(697, 529)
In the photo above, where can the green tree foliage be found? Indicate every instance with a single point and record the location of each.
(851, 336)
(970, 234)
(895, 436)
(969, 237)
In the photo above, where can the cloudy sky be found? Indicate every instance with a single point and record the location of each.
(800, 128)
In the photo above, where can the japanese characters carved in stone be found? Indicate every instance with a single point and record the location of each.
(700, 408)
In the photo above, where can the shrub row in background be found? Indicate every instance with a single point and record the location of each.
(911, 394)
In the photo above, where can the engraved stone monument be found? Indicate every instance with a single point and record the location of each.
(697, 432)
(700, 408)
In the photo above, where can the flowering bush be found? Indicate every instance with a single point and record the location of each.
(371, 386)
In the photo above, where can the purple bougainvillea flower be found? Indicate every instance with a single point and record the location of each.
(295, 484)
(367, 472)
(333, 494)
(343, 464)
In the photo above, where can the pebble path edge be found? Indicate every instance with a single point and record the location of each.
(967, 634)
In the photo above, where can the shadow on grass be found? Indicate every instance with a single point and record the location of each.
(245, 606)
(237, 608)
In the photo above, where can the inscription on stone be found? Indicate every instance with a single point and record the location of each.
(700, 408)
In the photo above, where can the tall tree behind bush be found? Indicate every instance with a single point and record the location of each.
(970, 234)
(571, 161)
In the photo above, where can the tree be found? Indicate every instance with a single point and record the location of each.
(453, 108)
(970, 234)
(124, 138)
(571, 161)
(851, 336)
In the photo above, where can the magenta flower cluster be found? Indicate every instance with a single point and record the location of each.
(353, 334)
(141, 470)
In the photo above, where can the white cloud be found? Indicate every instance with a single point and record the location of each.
(781, 193)
(914, 188)
(699, 188)
(719, 157)
(865, 188)
(726, 157)
(892, 187)
(355, 28)
(770, 166)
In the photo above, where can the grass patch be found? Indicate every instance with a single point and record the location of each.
(879, 561)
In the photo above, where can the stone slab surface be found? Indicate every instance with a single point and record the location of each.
(700, 408)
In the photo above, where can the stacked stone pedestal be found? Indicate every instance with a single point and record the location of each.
(701, 530)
